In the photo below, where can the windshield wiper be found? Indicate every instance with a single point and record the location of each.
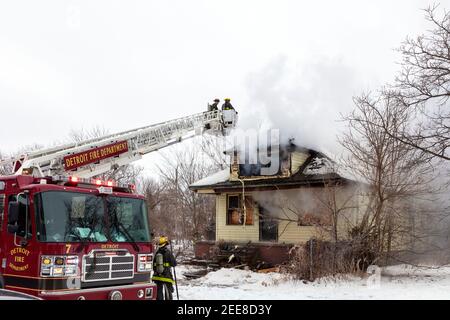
(85, 240)
(125, 231)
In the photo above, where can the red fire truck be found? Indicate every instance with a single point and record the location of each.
(66, 235)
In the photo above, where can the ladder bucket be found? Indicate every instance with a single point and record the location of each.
(229, 119)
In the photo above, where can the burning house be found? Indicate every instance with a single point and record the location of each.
(274, 212)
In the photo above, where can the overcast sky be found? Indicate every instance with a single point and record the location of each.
(121, 64)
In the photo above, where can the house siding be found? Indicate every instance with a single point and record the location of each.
(289, 232)
(297, 160)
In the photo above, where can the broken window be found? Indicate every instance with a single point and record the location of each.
(281, 163)
(235, 210)
(268, 226)
(249, 170)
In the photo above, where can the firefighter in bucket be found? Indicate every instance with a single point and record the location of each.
(162, 270)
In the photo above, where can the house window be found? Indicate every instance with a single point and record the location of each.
(235, 210)
(247, 169)
(314, 219)
(268, 226)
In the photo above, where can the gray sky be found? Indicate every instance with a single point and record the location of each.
(122, 64)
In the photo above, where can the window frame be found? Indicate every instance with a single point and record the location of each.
(2, 209)
(228, 211)
(27, 231)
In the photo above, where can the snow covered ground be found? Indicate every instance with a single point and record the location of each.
(395, 282)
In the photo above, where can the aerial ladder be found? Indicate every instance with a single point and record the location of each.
(93, 157)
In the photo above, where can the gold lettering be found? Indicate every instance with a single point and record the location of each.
(16, 268)
(109, 246)
(95, 155)
(20, 250)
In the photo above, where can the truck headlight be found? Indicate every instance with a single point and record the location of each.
(59, 266)
(144, 262)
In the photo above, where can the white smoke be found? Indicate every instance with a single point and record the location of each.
(305, 103)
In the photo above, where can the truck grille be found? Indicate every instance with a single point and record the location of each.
(101, 266)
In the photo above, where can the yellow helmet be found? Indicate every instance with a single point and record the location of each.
(227, 99)
(163, 240)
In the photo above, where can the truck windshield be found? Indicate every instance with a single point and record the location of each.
(70, 217)
(80, 217)
(128, 219)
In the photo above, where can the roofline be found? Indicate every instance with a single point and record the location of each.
(286, 146)
(236, 185)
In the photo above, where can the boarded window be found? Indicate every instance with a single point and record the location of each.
(235, 210)
(314, 219)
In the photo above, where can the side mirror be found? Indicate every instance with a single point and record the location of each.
(13, 216)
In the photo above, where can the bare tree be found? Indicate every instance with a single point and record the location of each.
(187, 213)
(213, 147)
(423, 88)
(331, 210)
(156, 196)
(5, 167)
(394, 172)
(7, 162)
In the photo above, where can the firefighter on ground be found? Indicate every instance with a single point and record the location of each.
(162, 267)
(214, 106)
(227, 105)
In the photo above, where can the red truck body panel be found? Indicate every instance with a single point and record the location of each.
(20, 264)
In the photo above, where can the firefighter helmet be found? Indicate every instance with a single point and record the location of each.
(216, 100)
(163, 240)
(227, 99)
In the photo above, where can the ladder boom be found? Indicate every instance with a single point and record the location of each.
(95, 156)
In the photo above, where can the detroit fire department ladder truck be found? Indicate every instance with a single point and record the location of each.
(67, 235)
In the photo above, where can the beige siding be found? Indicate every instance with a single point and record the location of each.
(232, 232)
(290, 232)
(297, 160)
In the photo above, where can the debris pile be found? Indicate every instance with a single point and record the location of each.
(237, 256)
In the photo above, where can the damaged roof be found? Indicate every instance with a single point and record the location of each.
(316, 170)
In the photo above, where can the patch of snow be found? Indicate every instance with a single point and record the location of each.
(221, 176)
(393, 282)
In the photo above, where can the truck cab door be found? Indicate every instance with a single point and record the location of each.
(17, 255)
(2, 234)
